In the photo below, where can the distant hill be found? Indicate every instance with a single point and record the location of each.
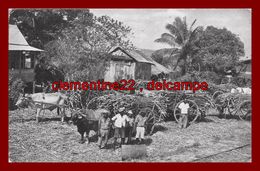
(147, 52)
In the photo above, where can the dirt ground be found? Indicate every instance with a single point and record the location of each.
(53, 141)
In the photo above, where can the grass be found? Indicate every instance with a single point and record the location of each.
(53, 141)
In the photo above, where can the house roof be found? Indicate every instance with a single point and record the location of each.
(131, 54)
(138, 56)
(17, 41)
(245, 61)
(157, 68)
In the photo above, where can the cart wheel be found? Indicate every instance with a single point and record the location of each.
(193, 111)
(150, 120)
(232, 105)
(216, 94)
(245, 110)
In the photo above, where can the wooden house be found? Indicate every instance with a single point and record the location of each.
(128, 65)
(22, 56)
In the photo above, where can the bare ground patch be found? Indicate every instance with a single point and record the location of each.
(53, 141)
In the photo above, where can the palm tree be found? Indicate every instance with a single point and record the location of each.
(182, 37)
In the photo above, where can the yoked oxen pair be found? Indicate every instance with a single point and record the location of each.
(43, 101)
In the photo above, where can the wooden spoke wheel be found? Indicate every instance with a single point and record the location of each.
(150, 115)
(216, 94)
(193, 111)
(245, 110)
(233, 105)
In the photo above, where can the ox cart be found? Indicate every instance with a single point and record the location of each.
(157, 106)
(45, 101)
(234, 104)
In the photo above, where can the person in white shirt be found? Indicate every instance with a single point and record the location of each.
(184, 106)
(120, 121)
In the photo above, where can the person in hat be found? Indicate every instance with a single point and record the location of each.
(140, 123)
(120, 121)
(130, 126)
(104, 125)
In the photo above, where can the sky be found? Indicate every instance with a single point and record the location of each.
(148, 24)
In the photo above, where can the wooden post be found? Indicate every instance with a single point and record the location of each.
(20, 63)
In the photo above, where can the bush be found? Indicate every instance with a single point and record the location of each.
(15, 87)
(210, 77)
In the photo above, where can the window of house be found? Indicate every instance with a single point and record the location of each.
(28, 63)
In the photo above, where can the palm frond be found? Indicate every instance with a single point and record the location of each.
(194, 33)
(167, 38)
(185, 29)
(174, 31)
(192, 24)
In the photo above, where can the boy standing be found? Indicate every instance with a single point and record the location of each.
(130, 126)
(103, 127)
(140, 122)
(120, 120)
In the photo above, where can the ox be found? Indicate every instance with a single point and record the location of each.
(86, 120)
(43, 101)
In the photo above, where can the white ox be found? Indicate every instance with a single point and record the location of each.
(43, 101)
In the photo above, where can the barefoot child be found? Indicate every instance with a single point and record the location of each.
(104, 127)
(140, 122)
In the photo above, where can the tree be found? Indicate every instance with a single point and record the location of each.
(218, 49)
(167, 57)
(181, 36)
(81, 50)
(39, 27)
(42, 23)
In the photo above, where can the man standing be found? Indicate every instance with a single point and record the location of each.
(120, 120)
(140, 122)
(130, 126)
(103, 129)
(184, 106)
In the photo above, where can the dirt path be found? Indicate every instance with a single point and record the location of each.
(52, 141)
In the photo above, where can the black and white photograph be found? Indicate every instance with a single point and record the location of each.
(130, 85)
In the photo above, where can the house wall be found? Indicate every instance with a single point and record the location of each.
(143, 71)
(27, 75)
(118, 70)
(18, 65)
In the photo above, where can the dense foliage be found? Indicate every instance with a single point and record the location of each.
(181, 36)
(215, 51)
(15, 88)
(75, 42)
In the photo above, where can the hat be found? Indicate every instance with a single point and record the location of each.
(105, 111)
(121, 109)
(130, 112)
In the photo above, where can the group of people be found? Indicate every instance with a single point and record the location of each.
(124, 124)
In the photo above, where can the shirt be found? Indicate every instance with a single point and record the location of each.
(184, 107)
(104, 123)
(120, 121)
(131, 121)
(140, 120)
